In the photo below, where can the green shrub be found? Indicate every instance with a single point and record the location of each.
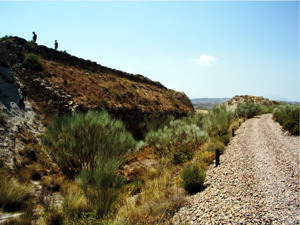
(195, 118)
(218, 121)
(288, 117)
(102, 185)
(154, 122)
(178, 141)
(215, 144)
(225, 139)
(32, 62)
(13, 195)
(193, 179)
(248, 110)
(6, 37)
(75, 141)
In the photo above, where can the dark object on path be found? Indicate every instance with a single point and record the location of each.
(217, 157)
(55, 45)
(232, 133)
(34, 37)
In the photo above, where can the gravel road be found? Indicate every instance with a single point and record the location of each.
(258, 181)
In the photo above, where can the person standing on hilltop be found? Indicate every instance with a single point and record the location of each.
(55, 45)
(34, 37)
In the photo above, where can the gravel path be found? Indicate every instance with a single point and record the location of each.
(258, 181)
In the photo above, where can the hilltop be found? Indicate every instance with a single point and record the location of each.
(60, 83)
(236, 100)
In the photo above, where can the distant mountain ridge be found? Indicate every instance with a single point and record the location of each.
(207, 103)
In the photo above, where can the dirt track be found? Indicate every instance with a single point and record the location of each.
(258, 181)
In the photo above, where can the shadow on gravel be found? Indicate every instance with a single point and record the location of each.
(198, 190)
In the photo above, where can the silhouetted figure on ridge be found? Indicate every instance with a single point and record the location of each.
(55, 45)
(34, 37)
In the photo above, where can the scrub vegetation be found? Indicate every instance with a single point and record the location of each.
(110, 178)
(288, 117)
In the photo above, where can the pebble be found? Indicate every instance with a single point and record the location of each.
(258, 181)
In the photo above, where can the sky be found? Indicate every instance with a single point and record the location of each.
(205, 49)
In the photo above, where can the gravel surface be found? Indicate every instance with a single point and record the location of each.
(256, 183)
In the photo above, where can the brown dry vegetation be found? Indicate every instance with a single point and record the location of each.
(96, 90)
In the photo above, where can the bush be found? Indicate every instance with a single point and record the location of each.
(74, 141)
(218, 121)
(195, 118)
(6, 37)
(178, 141)
(215, 144)
(102, 185)
(248, 110)
(13, 195)
(288, 117)
(193, 179)
(32, 62)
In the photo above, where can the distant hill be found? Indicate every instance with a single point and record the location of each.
(233, 102)
(207, 103)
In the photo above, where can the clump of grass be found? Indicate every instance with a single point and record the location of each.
(288, 117)
(159, 200)
(207, 158)
(215, 144)
(178, 141)
(32, 62)
(193, 179)
(74, 141)
(102, 185)
(13, 195)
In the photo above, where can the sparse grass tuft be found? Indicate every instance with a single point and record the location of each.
(159, 200)
(13, 195)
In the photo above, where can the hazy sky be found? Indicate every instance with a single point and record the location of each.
(206, 49)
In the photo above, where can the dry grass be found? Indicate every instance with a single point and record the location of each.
(90, 89)
(13, 195)
(75, 203)
(159, 199)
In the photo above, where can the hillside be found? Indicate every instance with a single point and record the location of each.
(37, 84)
(66, 83)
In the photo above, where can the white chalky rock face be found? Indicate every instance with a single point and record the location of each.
(256, 183)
